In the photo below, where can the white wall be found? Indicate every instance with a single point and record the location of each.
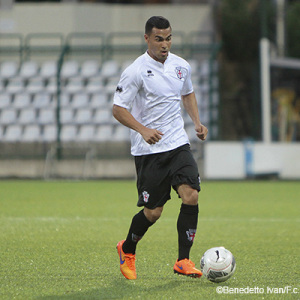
(226, 160)
(64, 18)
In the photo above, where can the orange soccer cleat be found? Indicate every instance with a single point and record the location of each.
(186, 267)
(127, 262)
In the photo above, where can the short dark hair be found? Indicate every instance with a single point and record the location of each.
(158, 22)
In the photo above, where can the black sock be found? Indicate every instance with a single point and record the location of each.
(186, 227)
(138, 228)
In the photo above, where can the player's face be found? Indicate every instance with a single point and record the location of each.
(159, 43)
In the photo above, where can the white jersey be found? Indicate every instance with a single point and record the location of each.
(152, 92)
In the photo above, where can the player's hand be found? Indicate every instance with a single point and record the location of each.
(201, 132)
(151, 136)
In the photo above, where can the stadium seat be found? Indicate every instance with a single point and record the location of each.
(47, 116)
(48, 69)
(68, 133)
(5, 100)
(74, 85)
(8, 116)
(8, 69)
(66, 115)
(110, 68)
(41, 100)
(51, 86)
(15, 85)
(28, 69)
(83, 116)
(121, 133)
(86, 133)
(13, 133)
(31, 133)
(35, 85)
(80, 100)
(21, 101)
(89, 68)
(99, 100)
(27, 116)
(94, 85)
(65, 100)
(69, 69)
(49, 133)
(104, 133)
(103, 116)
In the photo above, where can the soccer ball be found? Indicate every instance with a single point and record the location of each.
(217, 264)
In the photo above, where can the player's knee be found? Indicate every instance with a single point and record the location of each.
(153, 214)
(191, 198)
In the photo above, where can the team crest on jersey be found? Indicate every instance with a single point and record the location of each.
(180, 72)
(146, 196)
(191, 234)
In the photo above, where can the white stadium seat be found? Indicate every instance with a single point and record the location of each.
(80, 100)
(99, 100)
(28, 69)
(48, 69)
(86, 133)
(70, 69)
(35, 85)
(8, 69)
(66, 115)
(47, 116)
(22, 100)
(103, 116)
(89, 68)
(13, 133)
(8, 116)
(41, 100)
(68, 133)
(83, 116)
(49, 133)
(27, 116)
(31, 133)
(5, 100)
(15, 85)
(110, 68)
(104, 133)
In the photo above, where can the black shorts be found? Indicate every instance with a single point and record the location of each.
(157, 173)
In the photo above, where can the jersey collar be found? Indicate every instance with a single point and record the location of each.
(155, 62)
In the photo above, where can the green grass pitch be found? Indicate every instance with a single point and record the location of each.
(57, 241)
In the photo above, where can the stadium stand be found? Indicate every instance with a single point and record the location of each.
(62, 103)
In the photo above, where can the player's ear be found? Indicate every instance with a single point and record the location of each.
(146, 36)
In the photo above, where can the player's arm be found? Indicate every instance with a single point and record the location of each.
(190, 105)
(151, 136)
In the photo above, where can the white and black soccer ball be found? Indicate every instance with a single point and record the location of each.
(217, 264)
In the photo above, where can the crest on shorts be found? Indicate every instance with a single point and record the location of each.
(145, 196)
(191, 234)
(180, 72)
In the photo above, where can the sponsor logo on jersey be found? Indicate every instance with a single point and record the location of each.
(149, 73)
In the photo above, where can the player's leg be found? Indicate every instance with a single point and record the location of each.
(186, 183)
(153, 193)
(139, 226)
(186, 227)
(126, 248)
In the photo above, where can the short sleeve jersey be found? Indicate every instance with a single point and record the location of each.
(152, 92)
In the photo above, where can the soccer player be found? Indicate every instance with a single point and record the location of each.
(147, 100)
